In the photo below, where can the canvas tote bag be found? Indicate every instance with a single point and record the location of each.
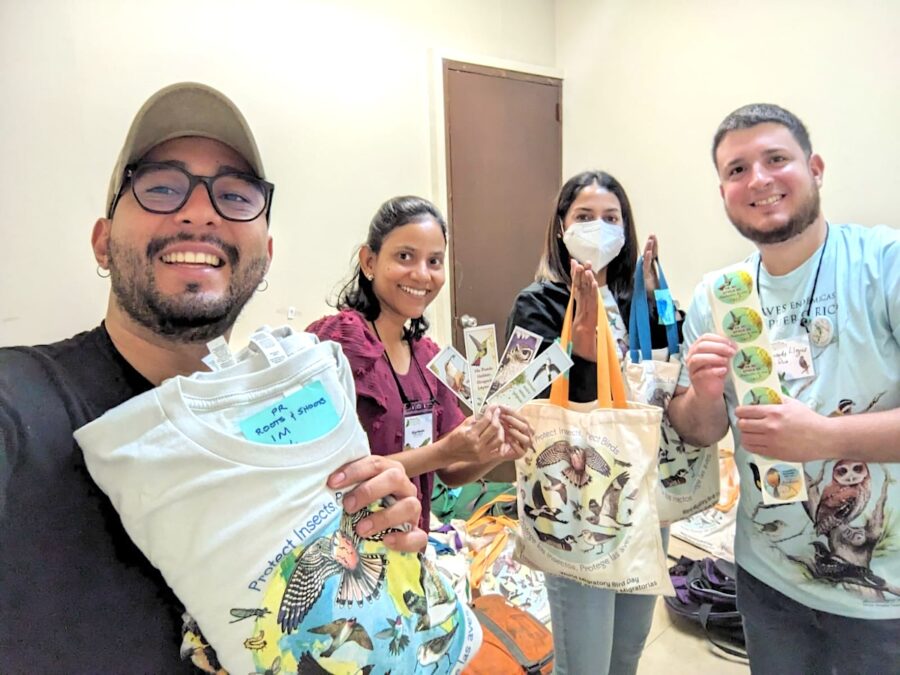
(688, 474)
(587, 487)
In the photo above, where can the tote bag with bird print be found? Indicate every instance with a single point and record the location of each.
(587, 486)
(688, 474)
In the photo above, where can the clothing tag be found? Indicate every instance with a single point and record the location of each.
(221, 353)
(269, 347)
(418, 424)
(781, 482)
(665, 307)
(303, 416)
(793, 358)
(210, 362)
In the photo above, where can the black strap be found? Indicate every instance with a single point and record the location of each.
(412, 357)
(703, 615)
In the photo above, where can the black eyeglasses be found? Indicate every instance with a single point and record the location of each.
(164, 188)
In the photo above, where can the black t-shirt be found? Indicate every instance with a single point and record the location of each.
(541, 308)
(76, 595)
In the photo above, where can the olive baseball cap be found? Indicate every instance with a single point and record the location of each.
(184, 109)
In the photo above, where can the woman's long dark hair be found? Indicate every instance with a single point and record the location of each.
(358, 293)
(555, 259)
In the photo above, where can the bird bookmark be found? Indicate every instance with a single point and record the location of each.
(481, 354)
(539, 375)
(452, 370)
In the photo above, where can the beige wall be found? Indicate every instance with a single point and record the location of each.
(341, 96)
(647, 82)
(338, 93)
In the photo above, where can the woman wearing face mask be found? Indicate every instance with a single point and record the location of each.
(405, 411)
(591, 243)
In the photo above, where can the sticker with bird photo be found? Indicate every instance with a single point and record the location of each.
(782, 482)
(481, 354)
(793, 358)
(520, 350)
(452, 369)
(539, 375)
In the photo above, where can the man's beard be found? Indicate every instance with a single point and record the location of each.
(188, 316)
(804, 216)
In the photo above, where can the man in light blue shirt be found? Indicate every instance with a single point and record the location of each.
(818, 580)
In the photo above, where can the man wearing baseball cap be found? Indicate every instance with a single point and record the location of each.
(185, 242)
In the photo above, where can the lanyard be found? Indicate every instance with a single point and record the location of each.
(804, 320)
(412, 356)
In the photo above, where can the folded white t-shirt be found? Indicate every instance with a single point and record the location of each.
(249, 537)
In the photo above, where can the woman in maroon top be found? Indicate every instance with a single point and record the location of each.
(401, 404)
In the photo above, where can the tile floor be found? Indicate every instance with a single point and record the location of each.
(676, 646)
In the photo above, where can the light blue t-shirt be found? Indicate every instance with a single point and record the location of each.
(840, 551)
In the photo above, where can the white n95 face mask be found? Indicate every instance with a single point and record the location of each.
(596, 242)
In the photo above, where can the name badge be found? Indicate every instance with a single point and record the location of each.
(793, 358)
(418, 424)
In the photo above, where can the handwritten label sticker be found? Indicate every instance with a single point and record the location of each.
(301, 417)
(793, 358)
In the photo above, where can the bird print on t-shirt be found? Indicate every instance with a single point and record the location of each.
(361, 574)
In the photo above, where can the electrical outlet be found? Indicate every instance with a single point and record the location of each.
(291, 313)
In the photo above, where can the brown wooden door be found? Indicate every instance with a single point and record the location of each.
(504, 165)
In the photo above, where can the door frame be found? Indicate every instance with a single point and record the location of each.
(440, 313)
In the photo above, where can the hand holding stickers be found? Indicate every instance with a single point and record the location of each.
(738, 316)
(517, 378)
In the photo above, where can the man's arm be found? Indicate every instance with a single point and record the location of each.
(698, 422)
(792, 432)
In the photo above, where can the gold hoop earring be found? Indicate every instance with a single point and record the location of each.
(101, 270)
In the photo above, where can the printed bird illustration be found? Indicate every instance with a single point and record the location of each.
(274, 669)
(745, 363)
(456, 379)
(342, 631)
(557, 486)
(773, 528)
(360, 573)
(195, 648)
(828, 565)
(481, 349)
(576, 510)
(804, 366)
(678, 478)
(564, 544)
(432, 651)
(307, 665)
(660, 398)
(394, 632)
(548, 369)
(540, 509)
(726, 283)
(609, 503)
(578, 460)
(438, 603)
(593, 539)
(845, 497)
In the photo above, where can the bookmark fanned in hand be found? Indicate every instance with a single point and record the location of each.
(520, 351)
(452, 370)
(481, 354)
(539, 375)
